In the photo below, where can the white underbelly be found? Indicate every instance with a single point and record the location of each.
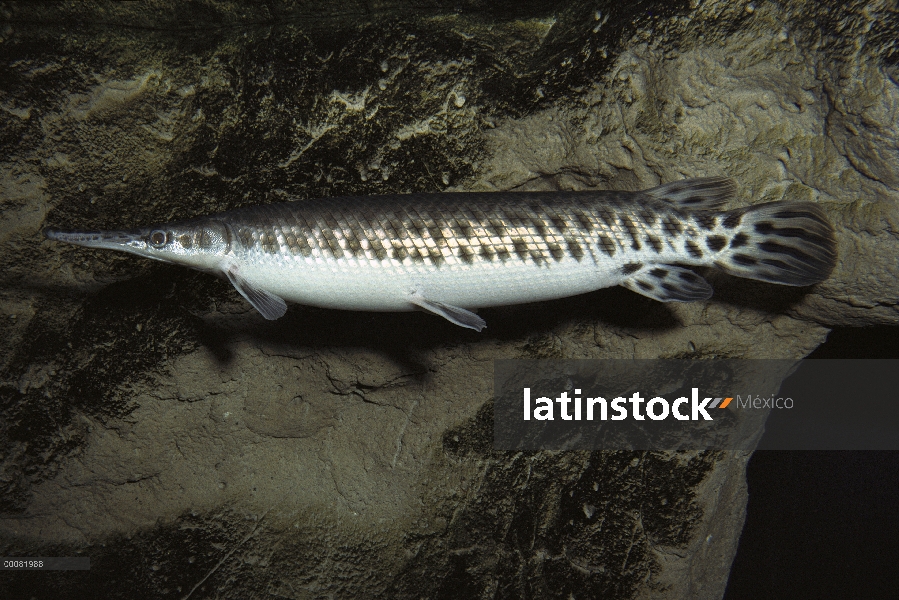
(355, 285)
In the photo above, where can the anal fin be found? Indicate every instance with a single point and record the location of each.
(269, 305)
(669, 283)
(453, 314)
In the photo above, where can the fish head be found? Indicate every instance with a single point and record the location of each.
(200, 244)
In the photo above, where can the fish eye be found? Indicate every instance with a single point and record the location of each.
(158, 238)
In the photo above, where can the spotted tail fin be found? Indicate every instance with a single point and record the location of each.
(790, 243)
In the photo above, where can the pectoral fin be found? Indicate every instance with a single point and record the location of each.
(453, 314)
(269, 305)
(668, 283)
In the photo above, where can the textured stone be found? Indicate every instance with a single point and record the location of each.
(153, 422)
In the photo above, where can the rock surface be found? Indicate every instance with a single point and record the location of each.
(151, 421)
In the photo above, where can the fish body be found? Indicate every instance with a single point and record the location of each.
(451, 253)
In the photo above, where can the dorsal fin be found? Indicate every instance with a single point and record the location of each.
(701, 193)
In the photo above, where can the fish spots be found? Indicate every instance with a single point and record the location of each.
(585, 222)
(801, 233)
(541, 230)
(732, 220)
(521, 248)
(436, 233)
(645, 285)
(575, 248)
(690, 277)
(437, 257)
(607, 245)
(332, 243)
(777, 264)
(185, 241)
(352, 243)
(496, 228)
(379, 251)
(418, 227)
(330, 221)
(648, 217)
(672, 225)
(631, 229)
(740, 240)
(399, 251)
(706, 221)
(393, 228)
(744, 260)
(417, 254)
(693, 249)
(555, 250)
(607, 218)
(515, 219)
(425, 233)
(463, 229)
(631, 268)
(671, 289)
(535, 207)
(659, 273)
(715, 242)
(778, 248)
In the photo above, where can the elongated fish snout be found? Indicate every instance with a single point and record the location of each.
(90, 239)
(150, 242)
(112, 240)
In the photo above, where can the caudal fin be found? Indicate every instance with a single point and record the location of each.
(790, 243)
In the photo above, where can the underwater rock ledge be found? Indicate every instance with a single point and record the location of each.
(150, 420)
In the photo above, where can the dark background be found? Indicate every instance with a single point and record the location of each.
(823, 524)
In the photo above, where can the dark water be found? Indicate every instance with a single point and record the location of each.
(823, 524)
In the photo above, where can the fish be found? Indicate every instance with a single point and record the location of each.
(453, 253)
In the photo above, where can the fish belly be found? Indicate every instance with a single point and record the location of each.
(383, 288)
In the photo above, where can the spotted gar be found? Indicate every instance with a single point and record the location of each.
(451, 253)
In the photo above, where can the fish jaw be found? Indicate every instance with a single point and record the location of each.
(197, 244)
(128, 241)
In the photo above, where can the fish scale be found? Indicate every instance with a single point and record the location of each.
(453, 252)
(548, 228)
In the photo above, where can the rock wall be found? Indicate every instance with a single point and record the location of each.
(152, 421)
